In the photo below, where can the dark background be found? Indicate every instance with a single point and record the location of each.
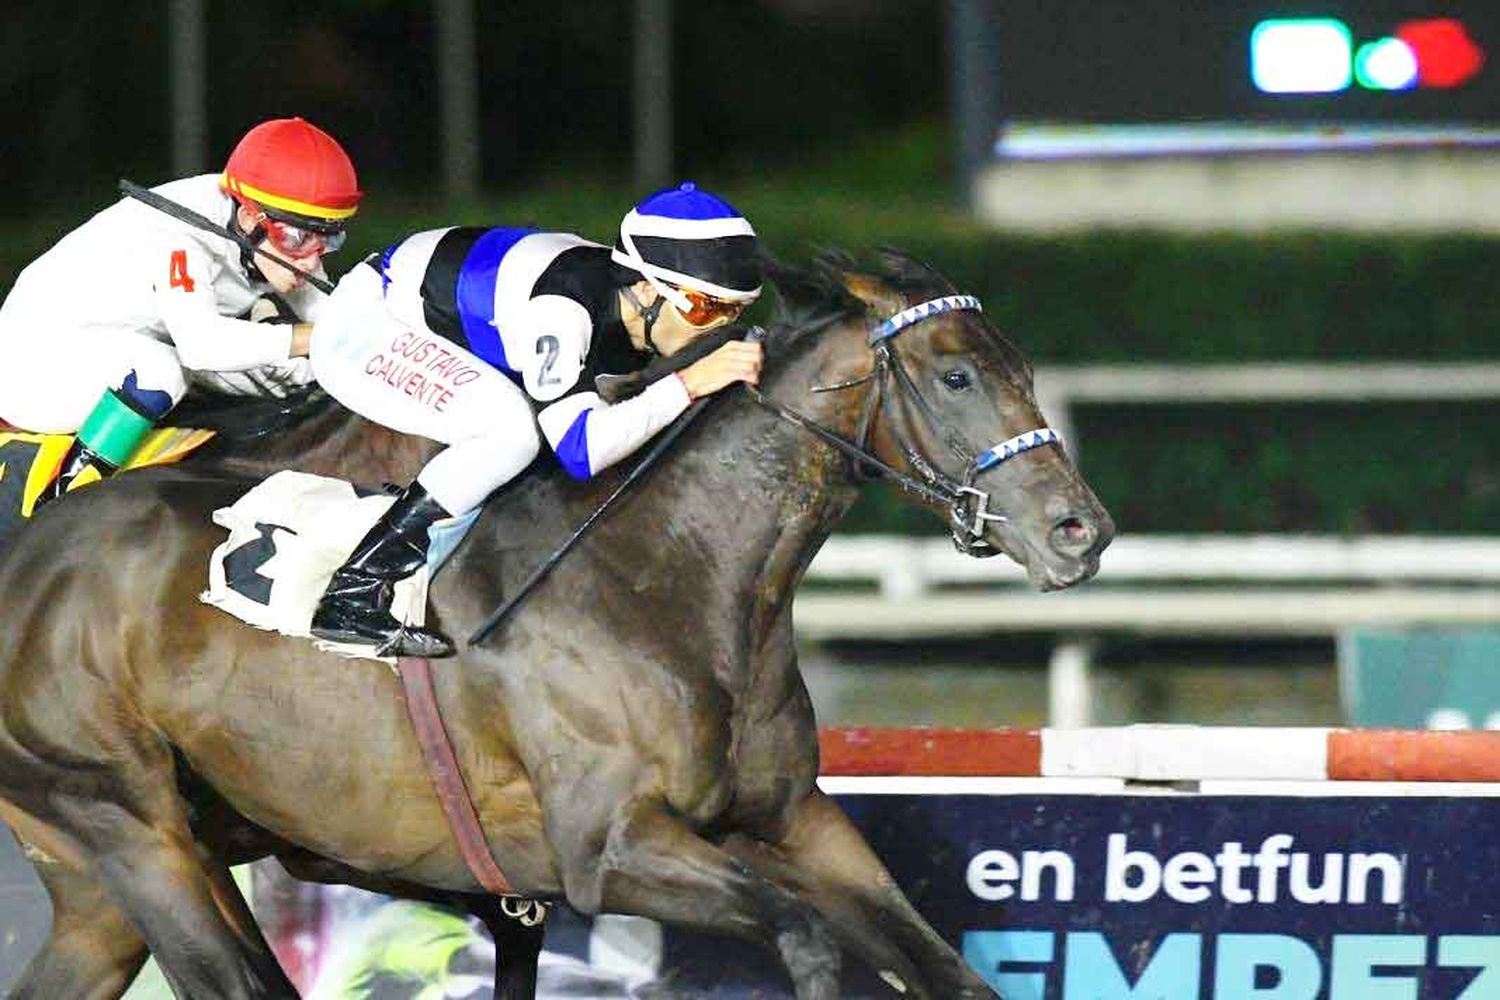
(757, 83)
(829, 123)
(1157, 60)
(752, 80)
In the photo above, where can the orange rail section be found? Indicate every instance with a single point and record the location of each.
(1341, 755)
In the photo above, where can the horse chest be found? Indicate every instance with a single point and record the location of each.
(773, 767)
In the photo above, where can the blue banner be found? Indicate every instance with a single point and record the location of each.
(1049, 897)
(1191, 897)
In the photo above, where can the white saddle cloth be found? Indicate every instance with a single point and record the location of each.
(286, 537)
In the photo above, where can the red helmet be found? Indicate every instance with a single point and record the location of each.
(293, 171)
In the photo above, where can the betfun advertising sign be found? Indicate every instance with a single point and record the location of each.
(1165, 896)
(1184, 897)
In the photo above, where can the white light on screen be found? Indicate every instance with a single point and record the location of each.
(1389, 64)
(1301, 56)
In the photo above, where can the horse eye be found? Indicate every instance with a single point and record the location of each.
(956, 380)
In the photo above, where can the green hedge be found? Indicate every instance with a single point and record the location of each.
(1123, 298)
(1419, 468)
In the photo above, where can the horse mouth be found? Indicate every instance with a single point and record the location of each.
(1047, 570)
(1052, 577)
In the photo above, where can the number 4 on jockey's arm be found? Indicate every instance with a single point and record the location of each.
(460, 335)
(164, 299)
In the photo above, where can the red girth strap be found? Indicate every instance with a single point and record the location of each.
(447, 779)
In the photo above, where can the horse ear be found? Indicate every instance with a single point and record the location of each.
(873, 292)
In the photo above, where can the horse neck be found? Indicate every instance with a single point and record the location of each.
(760, 494)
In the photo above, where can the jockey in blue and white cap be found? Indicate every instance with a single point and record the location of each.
(489, 340)
(696, 250)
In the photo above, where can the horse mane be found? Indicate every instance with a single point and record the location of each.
(805, 295)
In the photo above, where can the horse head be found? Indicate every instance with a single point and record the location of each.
(918, 378)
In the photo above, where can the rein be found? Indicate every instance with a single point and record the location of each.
(968, 506)
(854, 451)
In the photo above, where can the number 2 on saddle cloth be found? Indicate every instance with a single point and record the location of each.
(29, 462)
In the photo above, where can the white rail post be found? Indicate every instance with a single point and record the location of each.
(1069, 693)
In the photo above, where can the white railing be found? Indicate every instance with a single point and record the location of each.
(1162, 584)
(1268, 586)
(1059, 387)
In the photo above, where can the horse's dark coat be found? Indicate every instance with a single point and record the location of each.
(638, 739)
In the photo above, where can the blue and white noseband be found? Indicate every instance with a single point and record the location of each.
(969, 506)
(1023, 442)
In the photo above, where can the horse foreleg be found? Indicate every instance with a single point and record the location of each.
(131, 828)
(828, 855)
(649, 864)
(92, 953)
(163, 885)
(851, 920)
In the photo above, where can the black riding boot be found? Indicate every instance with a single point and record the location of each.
(356, 606)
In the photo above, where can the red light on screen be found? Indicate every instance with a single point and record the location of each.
(1447, 56)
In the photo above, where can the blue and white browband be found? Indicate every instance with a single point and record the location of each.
(921, 311)
(1010, 449)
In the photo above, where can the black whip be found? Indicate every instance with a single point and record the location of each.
(184, 214)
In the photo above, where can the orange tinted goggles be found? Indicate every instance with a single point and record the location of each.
(705, 310)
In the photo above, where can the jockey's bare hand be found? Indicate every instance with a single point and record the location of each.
(736, 361)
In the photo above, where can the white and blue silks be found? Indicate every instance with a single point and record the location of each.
(447, 338)
(460, 334)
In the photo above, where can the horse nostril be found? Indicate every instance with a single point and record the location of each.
(1074, 536)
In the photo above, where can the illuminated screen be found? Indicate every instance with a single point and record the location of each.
(1317, 55)
(1415, 62)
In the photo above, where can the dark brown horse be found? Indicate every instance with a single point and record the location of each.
(638, 738)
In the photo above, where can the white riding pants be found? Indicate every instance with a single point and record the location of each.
(414, 381)
(51, 378)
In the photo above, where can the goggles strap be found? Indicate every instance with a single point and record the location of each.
(652, 274)
(253, 238)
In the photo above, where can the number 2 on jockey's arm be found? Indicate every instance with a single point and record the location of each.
(559, 331)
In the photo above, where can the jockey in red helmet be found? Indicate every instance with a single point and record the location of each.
(296, 185)
(165, 301)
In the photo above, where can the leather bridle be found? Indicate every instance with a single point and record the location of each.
(969, 509)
